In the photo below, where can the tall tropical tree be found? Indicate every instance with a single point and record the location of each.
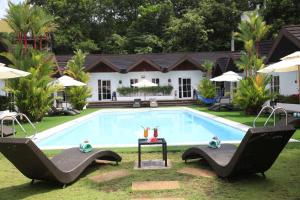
(41, 25)
(78, 95)
(19, 19)
(251, 30)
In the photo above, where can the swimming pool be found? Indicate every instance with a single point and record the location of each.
(117, 128)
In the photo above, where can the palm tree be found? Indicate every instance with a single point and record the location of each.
(208, 65)
(251, 31)
(18, 17)
(41, 24)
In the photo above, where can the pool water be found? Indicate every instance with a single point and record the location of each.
(123, 128)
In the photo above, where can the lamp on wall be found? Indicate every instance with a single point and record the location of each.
(169, 80)
(120, 82)
(143, 76)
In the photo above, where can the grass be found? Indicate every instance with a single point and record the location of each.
(241, 117)
(49, 122)
(282, 182)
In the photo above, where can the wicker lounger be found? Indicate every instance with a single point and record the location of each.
(256, 153)
(63, 168)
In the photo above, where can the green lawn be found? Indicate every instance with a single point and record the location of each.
(240, 117)
(282, 182)
(49, 122)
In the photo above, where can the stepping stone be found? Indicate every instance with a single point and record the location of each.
(155, 185)
(110, 176)
(104, 162)
(197, 172)
(153, 164)
(170, 198)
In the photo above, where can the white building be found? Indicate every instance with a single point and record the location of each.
(182, 71)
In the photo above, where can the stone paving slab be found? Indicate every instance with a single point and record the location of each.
(110, 176)
(197, 172)
(155, 185)
(152, 164)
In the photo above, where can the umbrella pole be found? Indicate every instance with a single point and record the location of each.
(299, 82)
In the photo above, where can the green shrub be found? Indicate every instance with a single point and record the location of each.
(207, 88)
(252, 93)
(78, 95)
(165, 90)
(4, 103)
(33, 95)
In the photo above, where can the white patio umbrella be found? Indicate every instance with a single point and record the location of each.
(288, 63)
(67, 81)
(144, 83)
(8, 73)
(229, 76)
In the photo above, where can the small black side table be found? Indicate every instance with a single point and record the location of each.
(161, 141)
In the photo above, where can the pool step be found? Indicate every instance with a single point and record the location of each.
(128, 104)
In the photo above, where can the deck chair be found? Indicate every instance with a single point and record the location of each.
(222, 103)
(136, 103)
(153, 103)
(7, 131)
(256, 153)
(63, 168)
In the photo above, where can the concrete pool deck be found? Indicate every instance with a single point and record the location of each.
(47, 133)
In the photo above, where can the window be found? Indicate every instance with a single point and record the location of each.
(275, 84)
(155, 80)
(133, 81)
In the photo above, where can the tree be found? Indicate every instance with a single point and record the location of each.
(146, 33)
(187, 33)
(78, 95)
(33, 94)
(251, 31)
(19, 19)
(115, 44)
(208, 65)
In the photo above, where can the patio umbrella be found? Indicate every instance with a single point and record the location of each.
(8, 73)
(288, 63)
(67, 81)
(229, 76)
(144, 83)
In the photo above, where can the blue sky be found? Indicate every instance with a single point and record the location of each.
(3, 6)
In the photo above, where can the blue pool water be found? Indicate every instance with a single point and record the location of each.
(123, 128)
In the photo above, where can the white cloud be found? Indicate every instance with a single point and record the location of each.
(4, 6)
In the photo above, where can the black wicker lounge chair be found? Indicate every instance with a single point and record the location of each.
(63, 168)
(256, 153)
(223, 103)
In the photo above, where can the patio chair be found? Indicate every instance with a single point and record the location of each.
(223, 103)
(256, 153)
(63, 168)
(136, 103)
(153, 103)
(55, 111)
(7, 131)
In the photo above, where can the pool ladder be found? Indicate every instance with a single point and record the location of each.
(14, 119)
(273, 113)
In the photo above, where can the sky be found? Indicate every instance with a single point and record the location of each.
(4, 5)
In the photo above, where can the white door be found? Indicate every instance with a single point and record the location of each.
(184, 88)
(104, 90)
